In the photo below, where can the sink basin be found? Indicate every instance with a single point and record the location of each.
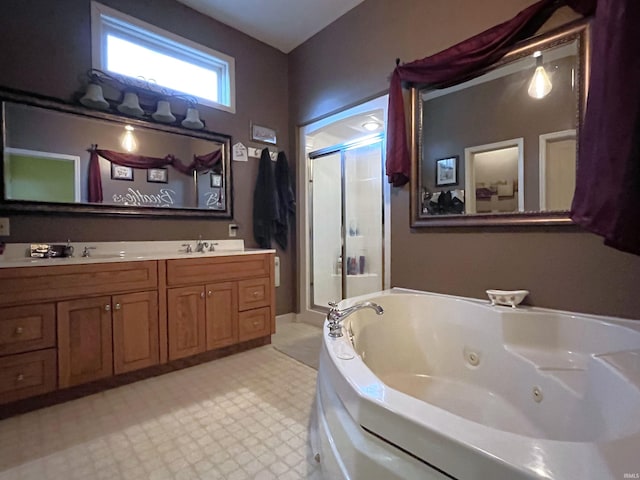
(99, 256)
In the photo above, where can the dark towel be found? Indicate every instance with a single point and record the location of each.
(265, 202)
(286, 201)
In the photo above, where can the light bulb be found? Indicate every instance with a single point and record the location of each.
(540, 84)
(128, 140)
(371, 125)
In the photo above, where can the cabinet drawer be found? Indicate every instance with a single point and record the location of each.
(26, 328)
(27, 374)
(215, 269)
(28, 284)
(253, 293)
(254, 323)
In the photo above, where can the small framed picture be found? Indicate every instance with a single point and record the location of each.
(158, 175)
(118, 172)
(263, 134)
(447, 171)
(216, 180)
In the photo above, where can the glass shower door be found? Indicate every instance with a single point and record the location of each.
(363, 222)
(326, 229)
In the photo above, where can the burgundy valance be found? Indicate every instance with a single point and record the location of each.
(208, 161)
(458, 63)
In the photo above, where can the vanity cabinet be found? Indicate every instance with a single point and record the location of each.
(229, 300)
(27, 351)
(66, 325)
(102, 336)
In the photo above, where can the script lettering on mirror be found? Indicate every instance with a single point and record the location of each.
(165, 198)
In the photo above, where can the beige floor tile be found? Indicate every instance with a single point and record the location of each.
(240, 417)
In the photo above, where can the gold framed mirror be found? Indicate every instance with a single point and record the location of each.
(501, 148)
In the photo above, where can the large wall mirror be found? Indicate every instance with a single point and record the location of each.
(501, 148)
(48, 147)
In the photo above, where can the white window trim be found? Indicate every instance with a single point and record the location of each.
(227, 63)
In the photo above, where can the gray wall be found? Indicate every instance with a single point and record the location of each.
(46, 49)
(351, 61)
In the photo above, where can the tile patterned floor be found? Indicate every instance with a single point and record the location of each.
(240, 417)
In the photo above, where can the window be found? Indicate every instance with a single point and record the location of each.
(124, 45)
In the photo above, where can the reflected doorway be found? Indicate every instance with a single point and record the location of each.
(494, 177)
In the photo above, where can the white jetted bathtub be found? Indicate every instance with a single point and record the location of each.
(442, 387)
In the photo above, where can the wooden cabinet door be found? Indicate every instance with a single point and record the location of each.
(186, 321)
(222, 314)
(84, 341)
(135, 331)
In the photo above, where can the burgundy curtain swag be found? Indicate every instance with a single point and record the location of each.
(457, 63)
(208, 161)
(607, 196)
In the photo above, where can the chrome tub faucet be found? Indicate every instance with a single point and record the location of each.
(336, 316)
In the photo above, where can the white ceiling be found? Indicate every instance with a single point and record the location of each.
(283, 24)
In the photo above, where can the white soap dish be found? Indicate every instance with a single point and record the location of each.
(511, 298)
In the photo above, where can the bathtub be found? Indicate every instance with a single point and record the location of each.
(443, 387)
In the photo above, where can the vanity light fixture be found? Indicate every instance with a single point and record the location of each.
(540, 84)
(128, 141)
(131, 105)
(93, 98)
(192, 120)
(371, 125)
(163, 112)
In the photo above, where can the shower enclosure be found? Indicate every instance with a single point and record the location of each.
(347, 221)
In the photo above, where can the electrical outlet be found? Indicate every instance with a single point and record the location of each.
(233, 229)
(4, 227)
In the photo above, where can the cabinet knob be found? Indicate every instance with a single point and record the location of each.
(256, 323)
(107, 308)
(256, 293)
(20, 377)
(19, 330)
(202, 295)
(117, 306)
(209, 293)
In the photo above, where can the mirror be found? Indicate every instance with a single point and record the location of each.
(501, 147)
(48, 147)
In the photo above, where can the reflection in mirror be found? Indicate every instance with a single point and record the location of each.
(495, 174)
(514, 129)
(47, 156)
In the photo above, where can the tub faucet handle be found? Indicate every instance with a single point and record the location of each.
(336, 316)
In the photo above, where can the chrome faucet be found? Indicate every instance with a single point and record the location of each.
(200, 245)
(187, 247)
(86, 252)
(336, 316)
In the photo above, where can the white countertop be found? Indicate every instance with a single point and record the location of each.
(16, 254)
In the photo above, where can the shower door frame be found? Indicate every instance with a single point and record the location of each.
(342, 148)
(304, 312)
